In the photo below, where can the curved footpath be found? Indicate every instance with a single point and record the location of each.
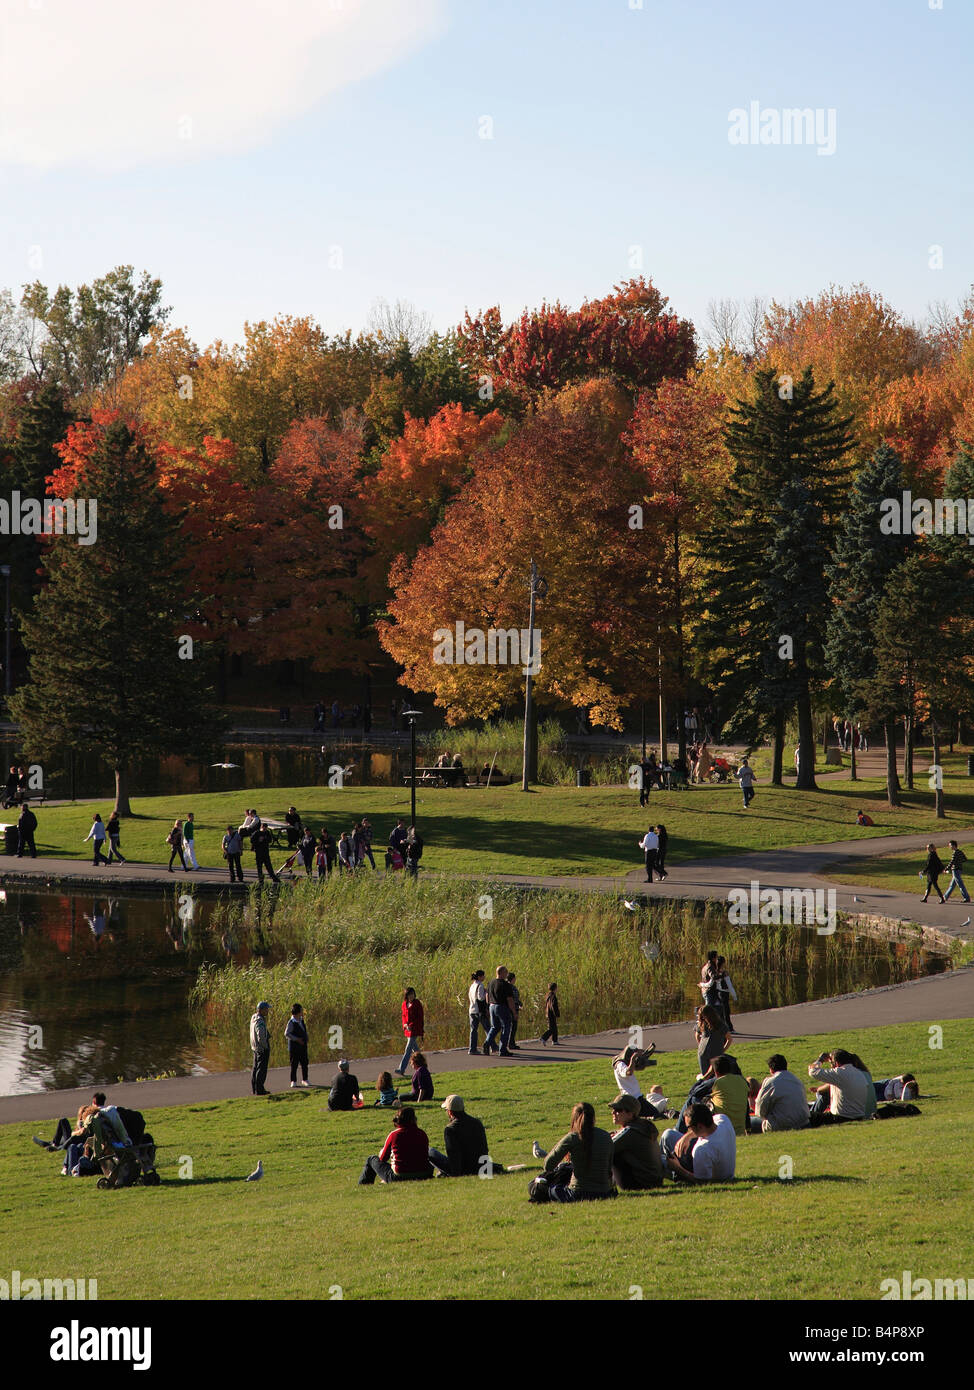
(934, 998)
(795, 867)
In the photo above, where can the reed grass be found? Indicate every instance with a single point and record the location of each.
(348, 949)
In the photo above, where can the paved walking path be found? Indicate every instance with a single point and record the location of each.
(935, 998)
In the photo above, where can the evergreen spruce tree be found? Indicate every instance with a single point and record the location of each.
(864, 565)
(103, 639)
(762, 631)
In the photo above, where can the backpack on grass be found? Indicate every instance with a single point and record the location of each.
(893, 1111)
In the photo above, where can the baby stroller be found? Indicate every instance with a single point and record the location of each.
(126, 1165)
(720, 771)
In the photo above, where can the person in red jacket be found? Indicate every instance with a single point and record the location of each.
(405, 1155)
(412, 1027)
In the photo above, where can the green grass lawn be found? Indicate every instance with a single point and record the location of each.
(865, 1202)
(548, 831)
(899, 872)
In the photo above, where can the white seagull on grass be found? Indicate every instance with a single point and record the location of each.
(258, 1172)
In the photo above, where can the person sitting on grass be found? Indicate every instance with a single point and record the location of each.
(624, 1067)
(585, 1175)
(706, 1153)
(404, 1156)
(905, 1087)
(344, 1091)
(636, 1160)
(863, 819)
(728, 1095)
(465, 1140)
(843, 1096)
(388, 1095)
(780, 1102)
(422, 1080)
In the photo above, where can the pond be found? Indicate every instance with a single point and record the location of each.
(96, 989)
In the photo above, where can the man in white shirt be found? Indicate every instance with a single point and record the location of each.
(845, 1095)
(713, 1155)
(650, 844)
(781, 1102)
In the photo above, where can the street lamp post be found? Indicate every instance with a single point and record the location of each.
(5, 571)
(412, 715)
(539, 588)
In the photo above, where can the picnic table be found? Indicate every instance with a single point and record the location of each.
(438, 777)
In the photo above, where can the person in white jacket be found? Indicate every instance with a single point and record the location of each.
(97, 834)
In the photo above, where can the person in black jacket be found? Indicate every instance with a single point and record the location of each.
(296, 1034)
(26, 826)
(933, 868)
(294, 827)
(466, 1145)
(664, 840)
(260, 841)
(344, 1089)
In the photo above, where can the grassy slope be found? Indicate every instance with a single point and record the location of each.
(898, 872)
(865, 1202)
(549, 831)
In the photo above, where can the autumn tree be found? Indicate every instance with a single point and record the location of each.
(559, 491)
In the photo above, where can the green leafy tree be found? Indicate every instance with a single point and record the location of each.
(864, 565)
(764, 603)
(107, 668)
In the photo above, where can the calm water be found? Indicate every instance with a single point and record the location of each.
(95, 989)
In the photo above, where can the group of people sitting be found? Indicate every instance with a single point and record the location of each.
(345, 1093)
(99, 1128)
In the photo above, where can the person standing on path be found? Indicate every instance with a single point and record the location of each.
(662, 840)
(189, 841)
(725, 992)
(413, 1025)
(232, 850)
(114, 832)
(260, 841)
(97, 836)
(708, 981)
(260, 1046)
(712, 1038)
(366, 840)
(552, 1014)
(933, 868)
(745, 777)
(477, 1010)
(649, 844)
(499, 994)
(296, 1034)
(414, 851)
(957, 861)
(515, 1009)
(26, 825)
(307, 848)
(175, 842)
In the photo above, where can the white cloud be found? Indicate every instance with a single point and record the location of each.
(112, 84)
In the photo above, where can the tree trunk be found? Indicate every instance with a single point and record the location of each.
(852, 760)
(122, 791)
(908, 734)
(777, 762)
(892, 777)
(825, 734)
(533, 743)
(681, 733)
(805, 781)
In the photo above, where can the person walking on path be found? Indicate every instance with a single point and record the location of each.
(97, 836)
(114, 832)
(328, 849)
(346, 853)
(745, 777)
(552, 1013)
(296, 1034)
(413, 1024)
(175, 842)
(26, 825)
(414, 850)
(957, 861)
(260, 841)
(649, 844)
(232, 850)
(307, 848)
(499, 995)
(712, 1038)
(662, 840)
(189, 839)
(933, 868)
(477, 1010)
(366, 841)
(709, 987)
(260, 1046)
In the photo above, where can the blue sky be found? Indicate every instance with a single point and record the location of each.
(229, 154)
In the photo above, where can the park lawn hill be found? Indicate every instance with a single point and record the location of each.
(818, 1214)
(549, 831)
